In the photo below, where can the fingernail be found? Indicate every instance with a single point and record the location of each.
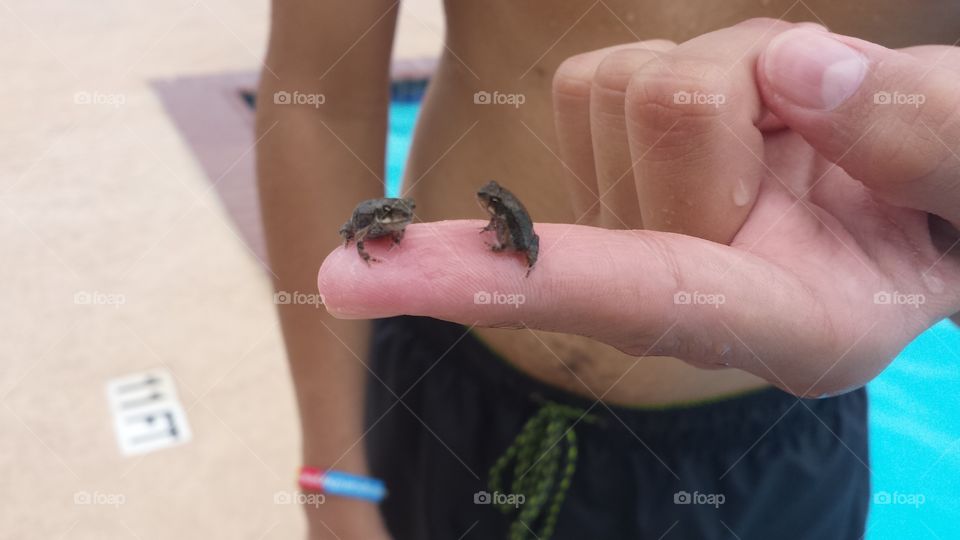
(812, 69)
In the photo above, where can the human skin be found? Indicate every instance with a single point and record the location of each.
(799, 227)
(342, 49)
(459, 146)
(295, 180)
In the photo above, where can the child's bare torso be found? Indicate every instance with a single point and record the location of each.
(513, 49)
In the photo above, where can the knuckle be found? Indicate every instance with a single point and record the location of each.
(612, 78)
(942, 121)
(669, 92)
(574, 77)
(674, 105)
(615, 70)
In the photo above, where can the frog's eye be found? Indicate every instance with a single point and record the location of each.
(387, 208)
(494, 199)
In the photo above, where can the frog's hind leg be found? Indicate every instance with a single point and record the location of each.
(533, 250)
(367, 258)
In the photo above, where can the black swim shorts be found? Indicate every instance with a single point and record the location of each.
(472, 448)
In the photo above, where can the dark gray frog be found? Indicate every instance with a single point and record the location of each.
(510, 221)
(376, 218)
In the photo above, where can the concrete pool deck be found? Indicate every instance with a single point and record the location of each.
(100, 196)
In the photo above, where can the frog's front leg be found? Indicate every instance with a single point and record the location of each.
(498, 244)
(347, 234)
(367, 258)
(397, 236)
(490, 226)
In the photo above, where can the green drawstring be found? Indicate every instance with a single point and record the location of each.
(545, 448)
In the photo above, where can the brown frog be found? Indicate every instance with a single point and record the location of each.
(510, 222)
(376, 218)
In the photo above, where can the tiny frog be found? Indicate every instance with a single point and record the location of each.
(376, 218)
(510, 221)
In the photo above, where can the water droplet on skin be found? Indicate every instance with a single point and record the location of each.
(933, 283)
(741, 195)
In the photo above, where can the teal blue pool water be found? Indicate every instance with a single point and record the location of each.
(403, 117)
(914, 412)
(915, 440)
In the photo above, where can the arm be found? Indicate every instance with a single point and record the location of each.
(314, 164)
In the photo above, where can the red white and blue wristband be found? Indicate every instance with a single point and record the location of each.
(342, 484)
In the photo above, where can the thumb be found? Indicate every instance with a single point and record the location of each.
(890, 120)
(644, 292)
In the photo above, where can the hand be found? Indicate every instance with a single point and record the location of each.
(779, 238)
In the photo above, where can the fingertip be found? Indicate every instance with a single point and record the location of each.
(333, 281)
(812, 69)
(420, 276)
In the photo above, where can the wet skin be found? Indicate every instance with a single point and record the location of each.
(515, 48)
